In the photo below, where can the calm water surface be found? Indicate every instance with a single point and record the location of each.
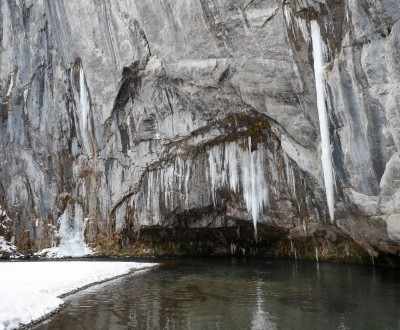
(239, 294)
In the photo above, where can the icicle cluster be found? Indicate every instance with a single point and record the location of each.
(229, 166)
(234, 167)
(323, 116)
(297, 23)
(167, 189)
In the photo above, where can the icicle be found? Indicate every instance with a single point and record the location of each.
(323, 116)
(168, 174)
(316, 254)
(179, 172)
(215, 161)
(187, 177)
(10, 87)
(233, 248)
(346, 249)
(149, 190)
(288, 16)
(302, 25)
(84, 98)
(255, 190)
(153, 196)
(231, 165)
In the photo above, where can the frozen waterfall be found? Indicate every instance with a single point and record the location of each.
(72, 240)
(323, 116)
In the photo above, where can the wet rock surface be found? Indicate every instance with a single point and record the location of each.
(187, 119)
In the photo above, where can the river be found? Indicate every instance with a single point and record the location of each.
(239, 294)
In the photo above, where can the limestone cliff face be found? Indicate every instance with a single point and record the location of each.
(188, 121)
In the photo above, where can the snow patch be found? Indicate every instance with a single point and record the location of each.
(31, 290)
(7, 249)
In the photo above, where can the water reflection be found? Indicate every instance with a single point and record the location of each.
(262, 319)
(239, 294)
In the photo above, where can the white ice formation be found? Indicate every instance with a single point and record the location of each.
(295, 23)
(11, 85)
(72, 229)
(238, 168)
(231, 165)
(326, 157)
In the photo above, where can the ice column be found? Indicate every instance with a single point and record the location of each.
(84, 98)
(323, 116)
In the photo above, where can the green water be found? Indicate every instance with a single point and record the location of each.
(239, 294)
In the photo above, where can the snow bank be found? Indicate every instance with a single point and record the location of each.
(8, 250)
(31, 290)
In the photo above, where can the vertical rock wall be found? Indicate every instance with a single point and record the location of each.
(184, 122)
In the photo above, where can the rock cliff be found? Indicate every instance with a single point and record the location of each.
(193, 127)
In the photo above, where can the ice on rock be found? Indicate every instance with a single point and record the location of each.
(187, 178)
(215, 162)
(11, 85)
(290, 178)
(229, 166)
(298, 23)
(233, 248)
(72, 240)
(323, 116)
(251, 177)
(167, 188)
(8, 248)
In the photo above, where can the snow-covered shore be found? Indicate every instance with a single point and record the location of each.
(32, 290)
